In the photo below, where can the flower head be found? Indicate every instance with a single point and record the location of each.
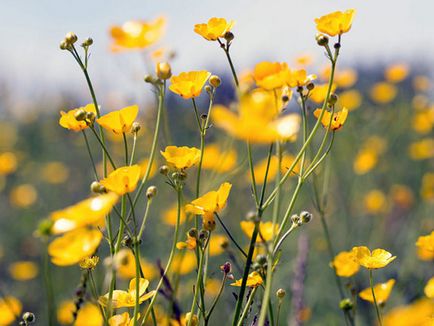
(299, 78)
(335, 23)
(271, 75)
(376, 259)
(10, 308)
(23, 270)
(266, 229)
(91, 211)
(345, 264)
(190, 243)
(89, 262)
(382, 292)
(181, 157)
(425, 246)
(253, 280)
(334, 122)
(219, 159)
(214, 29)
(119, 121)
(68, 119)
(189, 84)
(429, 288)
(121, 320)
(128, 298)
(137, 34)
(123, 179)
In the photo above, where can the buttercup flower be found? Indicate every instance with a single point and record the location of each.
(260, 168)
(376, 259)
(216, 244)
(382, 292)
(8, 163)
(190, 243)
(429, 288)
(418, 313)
(181, 158)
(298, 78)
(345, 264)
(171, 215)
(91, 211)
(265, 229)
(184, 263)
(214, 29)
(23, 270)
(121, 320)
(137, 34)
(10, 308)
(253, 280)
(375, 202)
(123, 299)
(218, 159)
(396, 73)
(119, 121)
(68, 121)
(335, 23)
(383, 92)
(189, 84)
(74, 246)
(125, 265)
(89, 262)
(319, 93)
(210, 203)
(88, 315)
(351, 99)
(123, 179)
(271, 75)
(337, 121)
(425, 246)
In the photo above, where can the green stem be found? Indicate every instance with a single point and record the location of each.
(214, 304)
(95, 173)
(246, 308)
(133, 150)
(228, 56)
(252, 174)
(49, 288)
(137, 299)
(125, 148)
(371, 282)
(104, 149)
(230, 235)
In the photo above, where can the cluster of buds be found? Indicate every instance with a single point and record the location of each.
(302, 218)
(71, 38)
(97, 188)
(27, 318)
(83, 115)
(163, 71)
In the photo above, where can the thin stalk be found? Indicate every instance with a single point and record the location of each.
(230, 235)
(125, 148)
(145, 217)
(252, 174)
(137, 299)
(214, 304)
(104, 148)
(49, 288)
(133, 150)
(95, 294)
(228, 56)
(95, 173)
(246, 308)
(371, 282)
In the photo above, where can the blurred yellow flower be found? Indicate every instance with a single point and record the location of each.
(10, 309)
(68, 121)
(271, 75)
(190, 243)
(304, 60)
(396, 72)
(367, 158)
(260, 168)
(299, 78)
(89, 315)
(427, 188)
(8, 163)
(125, 264)
(334, 123)
(23, 270)
(343, 78)
(170, 216)
(181, 157)
(137, 34)
(345, 264)
(425, 247)
(217, 244)
(375, 202)
(23, 196)
(55, 172)
(214, 29)
(335, 23)
(382, 292)
(429, 288)
(8, 135)
(422, 149)
(119, 121)
(423, 121)
(319, 93)
(89, 262)
(418, 313)
(210, 203)
(123, 179)
(123, 299)
(72, 247)
(402, 195)
(121, 320)
(421, 83)
(253, 280)
(144, 165)
(383, 92)
(189, 84)
(351, 99)
(91, 211)
(218, 159)
(184, 263)
(266, 229)
(212, 287)
(65, 312)
(376, 259)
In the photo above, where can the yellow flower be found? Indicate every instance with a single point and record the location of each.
(367, 158)
(336, 122)
(23, 270)
(125, 265)
(10, 309)
(217, 244)
(170, 216)
(335, 23)
(137, 34)
(144, 165)
(8, 163)
(91, 211)
(376, 259)
(214, 29)
(418, 313)
(184, 263)
(68, 121)
(181, 157)
(189, 84)
(422, 149)
(383, 92)
(271, 75)
(265, 229)
(257, 112)
(210, 203)
(253, 280)
(345, 264)
(423, 121)
(421, 83)
(214, 158)
(319, 93)
(382, 292)
(190, 243)
(427, 189)
(65, 312)
(89, 315)
(261, 167)
(123, 179)
(402, 195)
(128, 298)
(429, 288)
(343, 78)
(396, 73)
(119, 121)
(72, 247)
(121, 320)
(55, 172)
(23, 196)
(351, 99)
(89, 262)
(375, 202)
(425, 246)
(298, 78)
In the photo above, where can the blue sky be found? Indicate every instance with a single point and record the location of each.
(383, 31)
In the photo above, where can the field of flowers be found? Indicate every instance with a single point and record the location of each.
(293, 193)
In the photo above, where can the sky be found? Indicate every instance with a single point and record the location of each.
(32, 63)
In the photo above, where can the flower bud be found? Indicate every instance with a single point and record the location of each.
(208, 89)
(87, 42)
(164, 169)
(321, 39)
(310, 86)
(149, 79)
(296, 220)
(203, 235)
(251, 216)
(80, 115)
(261, 259)
(229, 36)
(71, 38)
(224, 244)
(44, 227)
(179, 175)
(97, 187)
(305, 217)
(194, 320)
(332, 99)
(135, 127)
(127, 242)
(215, 81)
(280, 293)
(64, 45)
(346, 304)
(151, 192)
(256, 267)
(163, 70)
(226, 268)
(29, 317)
(204, 116)
(192, 232)
(90, 116)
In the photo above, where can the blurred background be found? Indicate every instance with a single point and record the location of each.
(382, 189)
